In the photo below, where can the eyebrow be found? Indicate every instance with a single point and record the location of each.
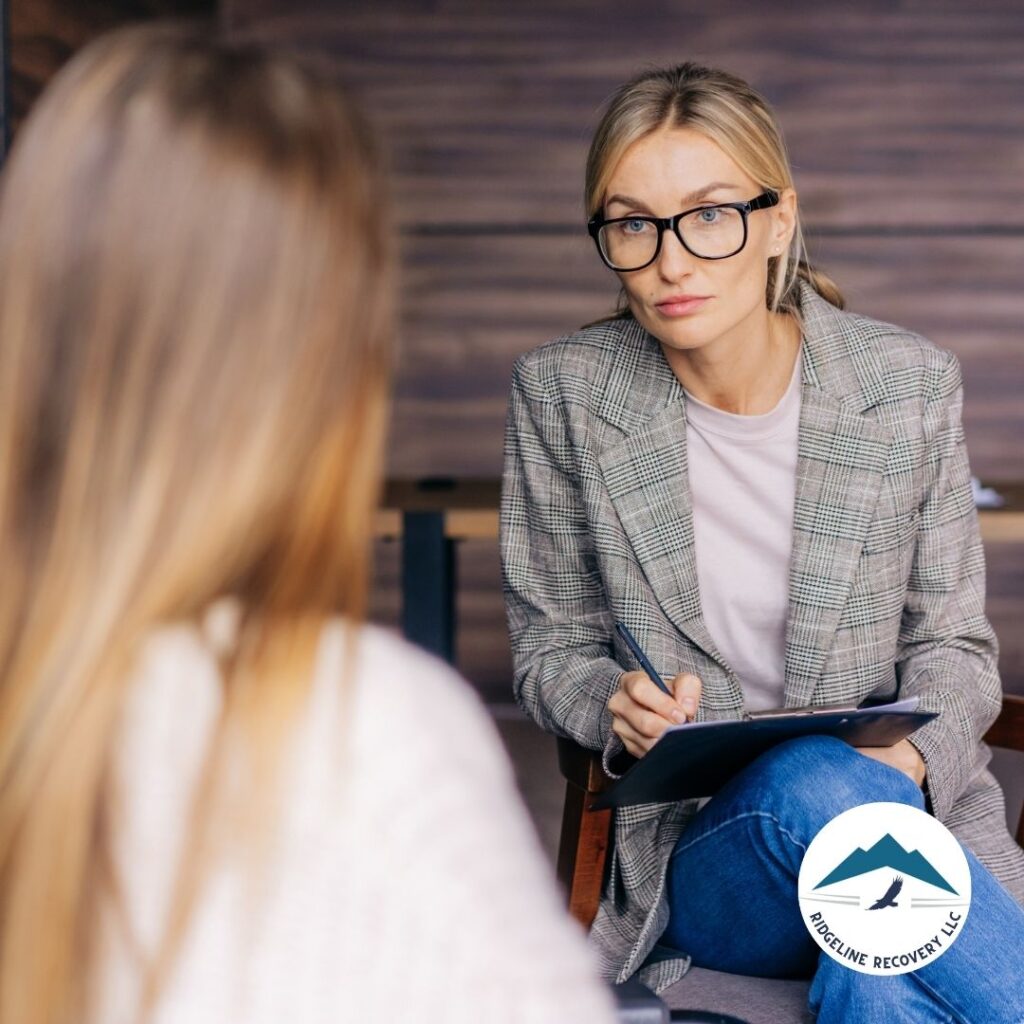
(691, 198)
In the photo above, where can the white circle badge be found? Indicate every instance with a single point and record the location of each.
(884, 888)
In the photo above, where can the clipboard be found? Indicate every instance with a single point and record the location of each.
(696, 759)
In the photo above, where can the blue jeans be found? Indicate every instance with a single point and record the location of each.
(732, 885)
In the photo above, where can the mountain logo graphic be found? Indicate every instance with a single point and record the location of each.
(886, 853)
(884, 888)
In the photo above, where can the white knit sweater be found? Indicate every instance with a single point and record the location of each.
(406, 881)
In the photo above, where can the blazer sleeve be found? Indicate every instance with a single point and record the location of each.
(948, 651)
(559, 621)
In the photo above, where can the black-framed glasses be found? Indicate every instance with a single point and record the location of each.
(708, 232)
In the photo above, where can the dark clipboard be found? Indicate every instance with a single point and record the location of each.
(696, 759)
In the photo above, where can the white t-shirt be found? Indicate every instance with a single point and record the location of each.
(406, 880)
(743, 484)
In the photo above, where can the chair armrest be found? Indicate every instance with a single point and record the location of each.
(586, 835)
(581, 767)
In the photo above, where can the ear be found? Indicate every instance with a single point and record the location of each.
(783, 221)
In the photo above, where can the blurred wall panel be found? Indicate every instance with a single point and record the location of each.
(896, 113)
(905, 127)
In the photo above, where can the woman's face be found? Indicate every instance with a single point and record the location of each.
(663, 174)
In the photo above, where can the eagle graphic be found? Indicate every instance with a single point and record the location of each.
(889, 899)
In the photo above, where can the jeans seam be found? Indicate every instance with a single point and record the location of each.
(956, 1016)
(681, 847)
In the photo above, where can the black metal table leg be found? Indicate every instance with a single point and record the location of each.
(428, 583)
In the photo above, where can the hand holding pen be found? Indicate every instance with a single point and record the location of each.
(644, 706)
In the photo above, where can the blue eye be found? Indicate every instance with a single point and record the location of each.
(711, 210)
(634, 226)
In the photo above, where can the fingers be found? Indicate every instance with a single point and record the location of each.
(642, 711)
(637, 724)
(687, 689)
(636, 744)
(643, 691)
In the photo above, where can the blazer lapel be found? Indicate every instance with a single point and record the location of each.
(841, 460)
(648, 483)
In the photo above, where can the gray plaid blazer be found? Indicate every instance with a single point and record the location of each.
(887, 576)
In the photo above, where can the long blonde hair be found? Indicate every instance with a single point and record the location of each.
(725, 109)
(195, 330)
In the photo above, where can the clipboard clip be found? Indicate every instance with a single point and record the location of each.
(810, 709)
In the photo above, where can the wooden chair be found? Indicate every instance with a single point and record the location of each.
(583, 856)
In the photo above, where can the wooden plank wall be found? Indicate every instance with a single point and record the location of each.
(905, 127)
(904, 124)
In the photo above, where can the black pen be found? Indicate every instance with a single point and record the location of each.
(642, 658)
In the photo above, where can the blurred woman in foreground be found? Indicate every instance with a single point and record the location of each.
(205, 808)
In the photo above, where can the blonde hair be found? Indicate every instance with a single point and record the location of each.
(728, 111)
(195, 331)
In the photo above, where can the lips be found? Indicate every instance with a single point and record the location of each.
(679, 305)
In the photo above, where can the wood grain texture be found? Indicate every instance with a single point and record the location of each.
(894, 114)
(472, 304)
(583, 847)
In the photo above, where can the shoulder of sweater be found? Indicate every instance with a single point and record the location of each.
(393, 671)
(387, 688)
(400, 701)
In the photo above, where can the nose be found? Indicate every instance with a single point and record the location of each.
(674, 260)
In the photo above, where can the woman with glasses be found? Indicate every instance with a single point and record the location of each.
(772, 494)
